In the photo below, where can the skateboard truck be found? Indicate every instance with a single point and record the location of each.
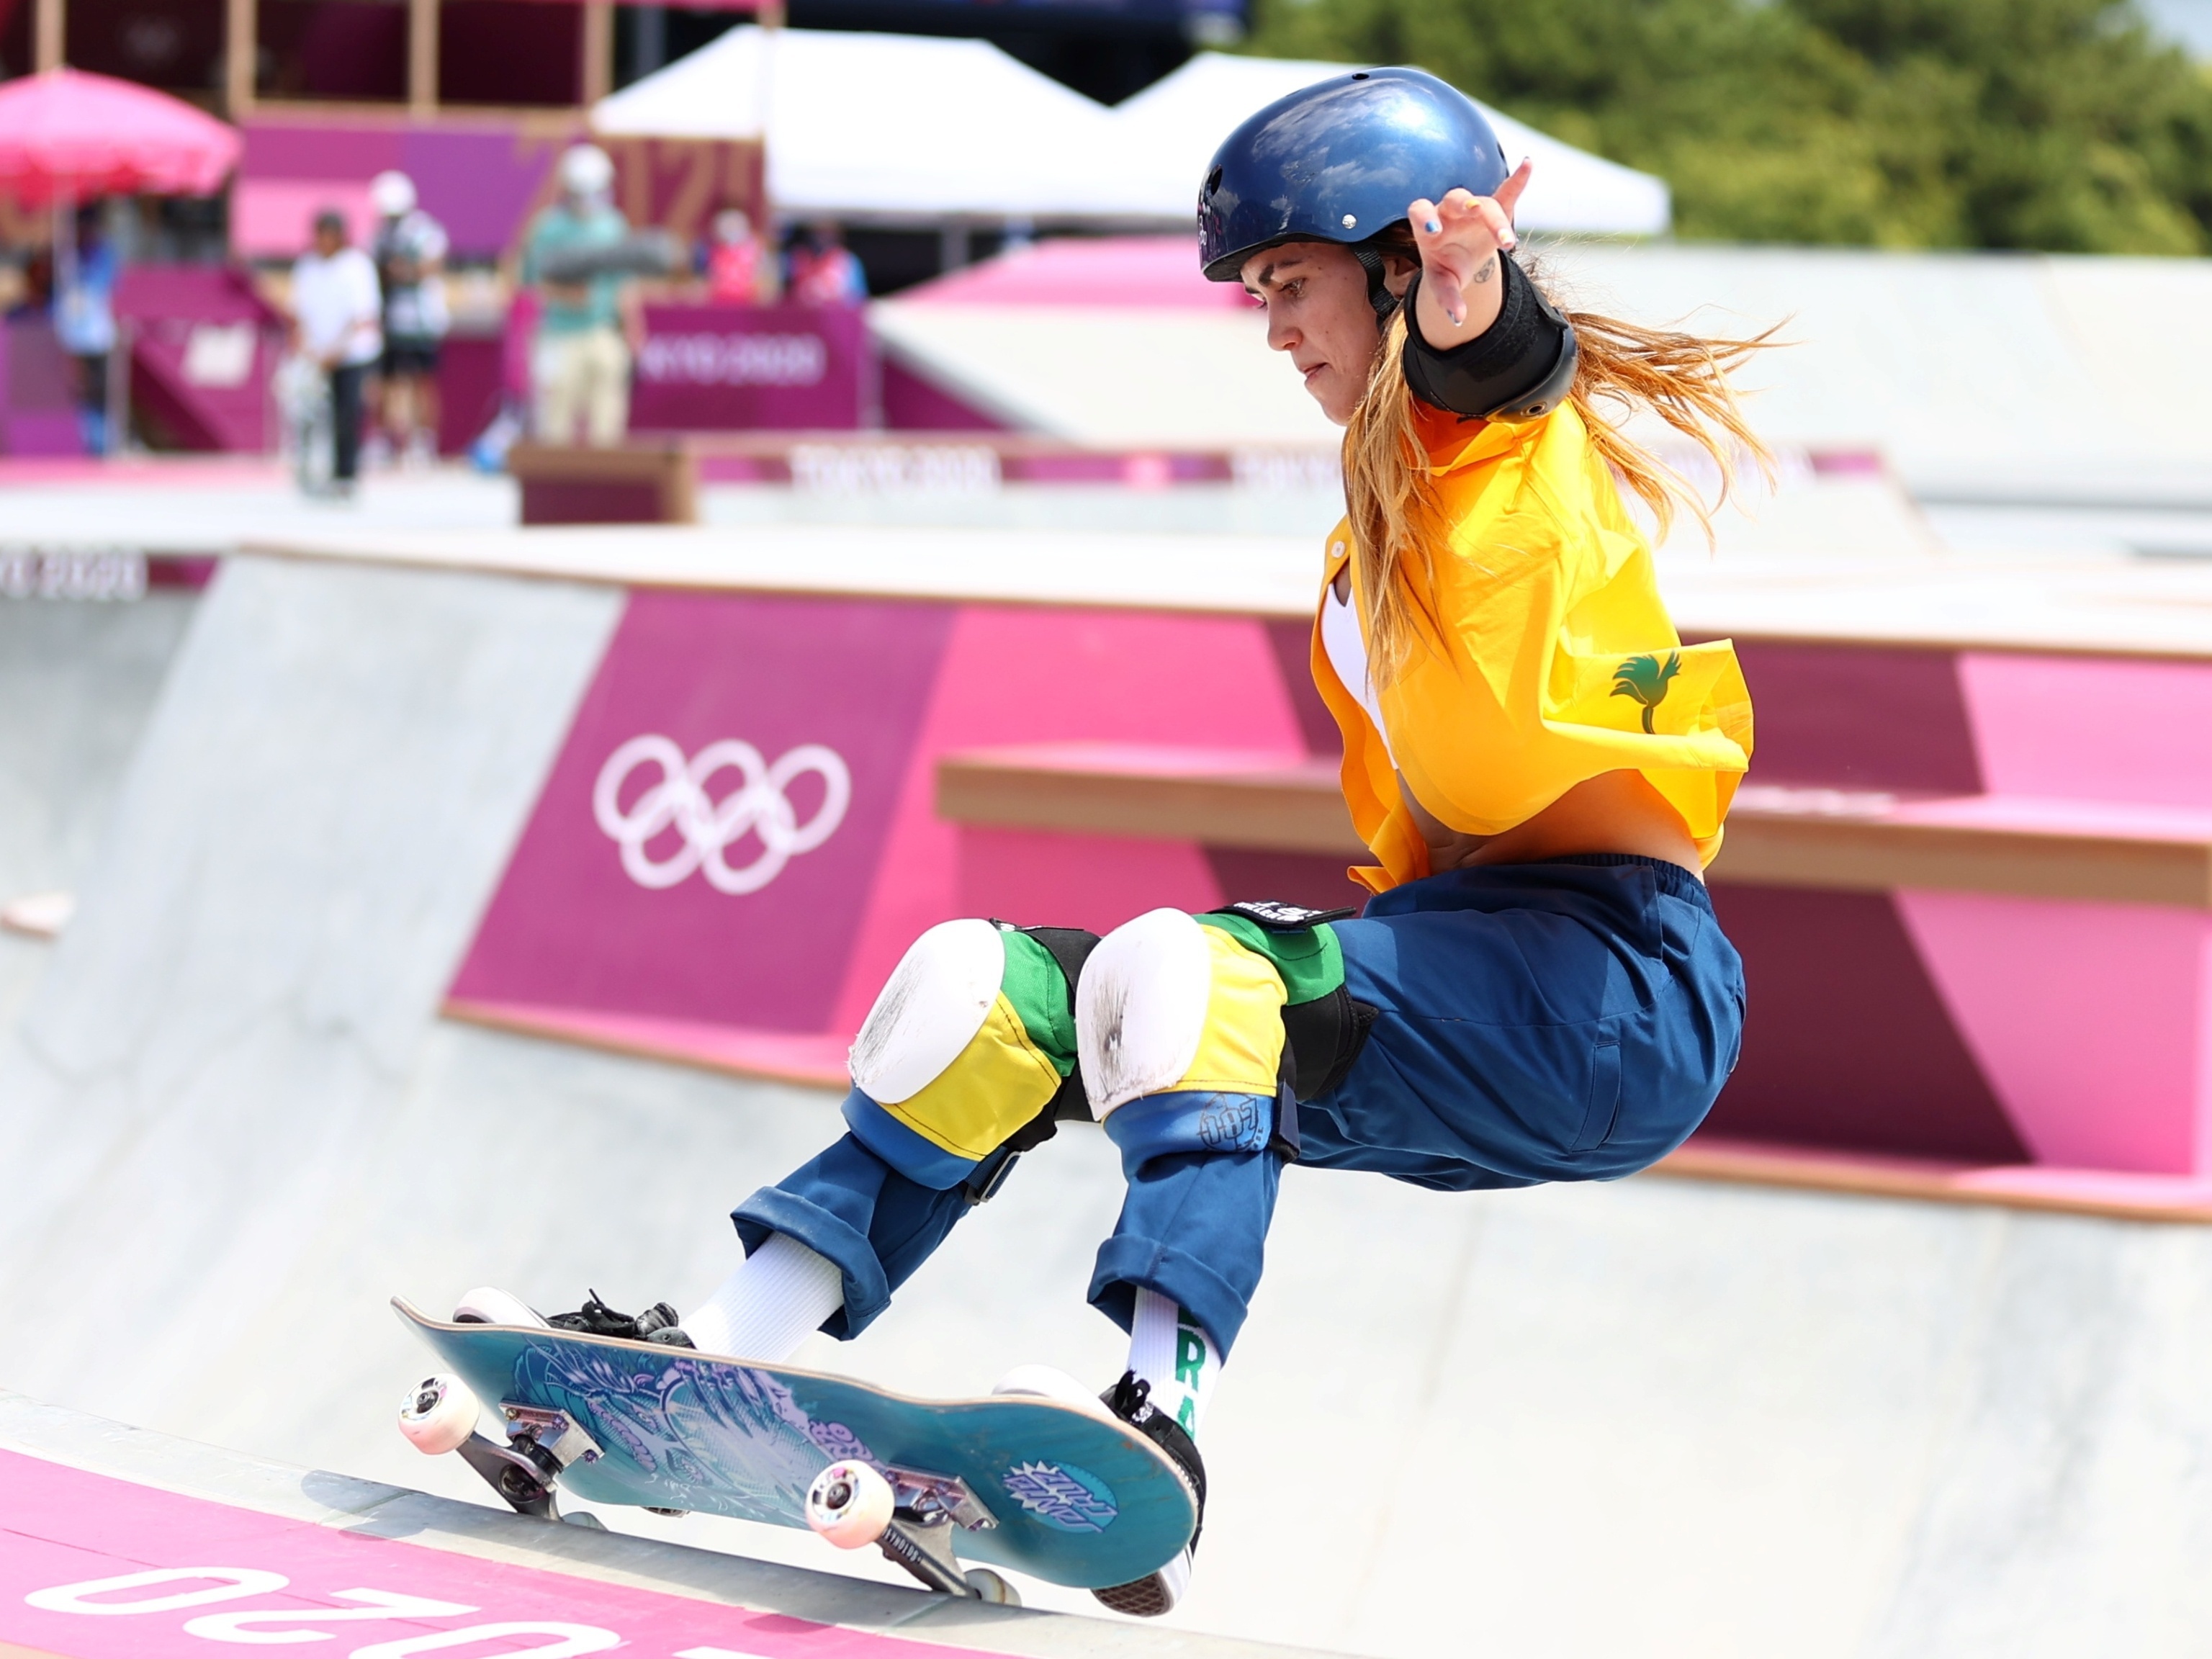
(920, 1537)
(909, 1515)
(930, 1497)
(539, 1444)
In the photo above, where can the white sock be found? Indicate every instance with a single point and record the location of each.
(778, 1296)
(1167, 1349)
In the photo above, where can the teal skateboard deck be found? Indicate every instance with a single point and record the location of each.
(1056, 1492)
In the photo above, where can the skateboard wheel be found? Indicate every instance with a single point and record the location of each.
(989, 1587)
(487, 1304)
(439, 1413)
(849, 1504)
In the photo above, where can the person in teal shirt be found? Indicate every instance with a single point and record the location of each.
(580, 363)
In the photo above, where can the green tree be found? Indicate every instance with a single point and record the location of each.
(2024, 123)
(1645, 678)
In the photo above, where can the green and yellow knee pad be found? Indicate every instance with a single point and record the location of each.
(1196, 1034)
(1183, 1033)
(971, 1040)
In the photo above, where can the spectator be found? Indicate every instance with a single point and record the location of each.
(84, 324)
(337, 324)
(824, 271)
(409, 252)
(580, 364)
(737, 272)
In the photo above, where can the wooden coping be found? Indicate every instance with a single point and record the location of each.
(1776, 837)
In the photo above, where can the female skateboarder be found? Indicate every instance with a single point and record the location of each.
(1537, 991)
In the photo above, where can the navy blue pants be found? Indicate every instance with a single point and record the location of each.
(1565, 1021)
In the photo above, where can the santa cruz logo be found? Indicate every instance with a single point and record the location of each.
(681, 800)
(1062, 1496)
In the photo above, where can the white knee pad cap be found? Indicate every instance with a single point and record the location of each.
(1141, 1008)
(934, 1003)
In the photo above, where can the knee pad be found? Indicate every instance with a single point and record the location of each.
(1179, 1027)
(970, 1040)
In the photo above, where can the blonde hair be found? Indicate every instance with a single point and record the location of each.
(1679, 376)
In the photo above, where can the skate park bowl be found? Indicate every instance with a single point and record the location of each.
(321, 1030)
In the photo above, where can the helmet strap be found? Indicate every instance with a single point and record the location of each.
(1378, 287)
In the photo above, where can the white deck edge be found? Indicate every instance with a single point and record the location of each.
(1235, 575)
(2110, 608)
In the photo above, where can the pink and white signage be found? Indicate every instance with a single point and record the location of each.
(711, 369)
(98, 1568)
(707, 843)
(739, 837)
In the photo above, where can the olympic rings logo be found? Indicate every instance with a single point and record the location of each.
(681, 801)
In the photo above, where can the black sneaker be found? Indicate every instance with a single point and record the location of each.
(656, 1324)
(1157, 1592)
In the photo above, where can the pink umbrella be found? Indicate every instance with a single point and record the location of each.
(66, 135)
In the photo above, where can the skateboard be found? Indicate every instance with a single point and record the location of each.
(1046, 1488)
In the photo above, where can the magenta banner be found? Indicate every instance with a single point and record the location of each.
(707, 843)
(719, 368)
(740, 837)
(481, 174)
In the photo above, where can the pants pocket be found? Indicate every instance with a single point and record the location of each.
(1604, 1104)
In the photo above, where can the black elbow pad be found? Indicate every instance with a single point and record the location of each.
(1520, 368)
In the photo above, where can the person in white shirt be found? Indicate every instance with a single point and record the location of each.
(337, 323)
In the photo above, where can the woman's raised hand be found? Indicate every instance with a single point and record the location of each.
(1460, 239)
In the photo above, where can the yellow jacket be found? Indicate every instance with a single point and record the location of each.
(1562, 662)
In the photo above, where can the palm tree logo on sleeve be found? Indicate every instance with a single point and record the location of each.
(1645, 679)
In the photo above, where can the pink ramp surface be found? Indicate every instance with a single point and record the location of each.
(2085, 1018)
(1028, 878)
(2092, 727)
(1018, 675)
(92, 1567)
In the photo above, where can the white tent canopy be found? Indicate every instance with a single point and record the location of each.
(885, 126)
(915, 127)
(1170, 129)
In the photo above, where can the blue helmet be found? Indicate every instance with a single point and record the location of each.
(1338, 160)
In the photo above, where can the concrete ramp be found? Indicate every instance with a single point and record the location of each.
(1654, 1418)
(77, 683)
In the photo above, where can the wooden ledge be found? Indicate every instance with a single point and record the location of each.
(2119, 1195)
(2029, 855)
(1276, 803)
(1777, 836)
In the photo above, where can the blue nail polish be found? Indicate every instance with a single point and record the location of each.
(1433, 227)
